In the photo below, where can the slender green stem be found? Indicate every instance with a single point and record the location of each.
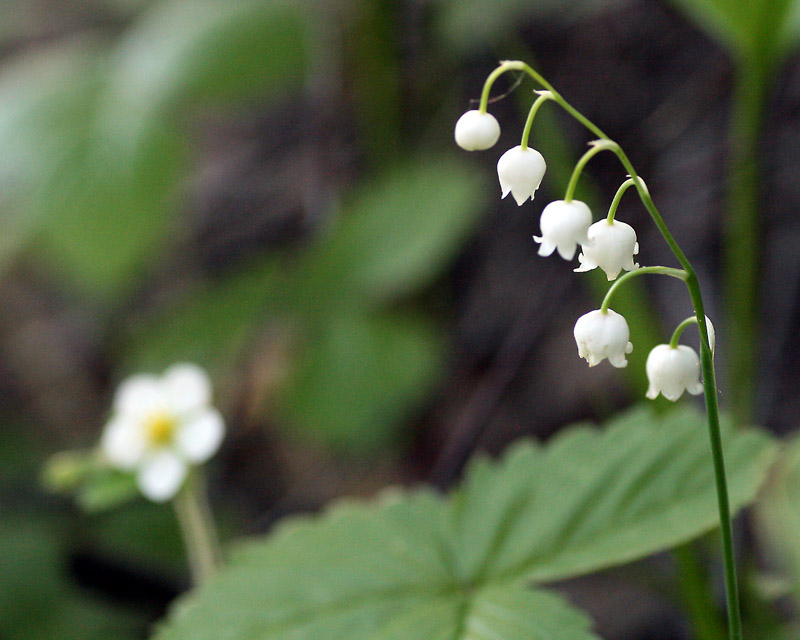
(706, 357)
(596, 147)
(612, 210)
(197, 528)
(676, 335)
(544, 96)
(666, 271)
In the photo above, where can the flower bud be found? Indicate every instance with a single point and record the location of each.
(611, 247)
(670, 370)
(520, 172)
(603, 334)
(564, 226)
(476, 131)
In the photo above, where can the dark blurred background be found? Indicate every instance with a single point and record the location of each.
(272, 190)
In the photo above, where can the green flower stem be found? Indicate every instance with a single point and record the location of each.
(595, 147)
(197, 528)
(706, 357)
(665, 271)
(676, 335)
(612, 210)
(544, 96)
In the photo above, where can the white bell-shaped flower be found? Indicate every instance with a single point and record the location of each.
(671, 370)
(603, 334)
(520, 172)
(564, 226)
(476, 131)
(611, 247)
(162, 425)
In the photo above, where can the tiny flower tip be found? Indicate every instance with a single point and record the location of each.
(476, 131)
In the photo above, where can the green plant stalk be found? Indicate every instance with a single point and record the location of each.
(706, 356)
(612, 210)
(742, 232)
(676, 335)
(662, 271)
(595, 148)
(544, 96)
(696, 596)
(197, 528)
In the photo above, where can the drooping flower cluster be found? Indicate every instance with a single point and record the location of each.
(609, 245)
(161, 426)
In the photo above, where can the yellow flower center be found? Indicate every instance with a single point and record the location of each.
(160, 428)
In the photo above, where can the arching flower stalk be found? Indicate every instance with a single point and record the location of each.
(611, 246)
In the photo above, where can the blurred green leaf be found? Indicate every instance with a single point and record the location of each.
(209, 325)
(359, 375)
(763, 32)
(778, 514)
(183, 51)
(107, 488)
(415, 564)
(140, 533)
(37, 599)
(94, 141)
(468, 25)
(397, 233)
(65, 471)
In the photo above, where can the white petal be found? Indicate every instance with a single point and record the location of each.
(139, 394)
(200, 436)
(186, 387)
(476, 131)
(161, 475)
(123, 442)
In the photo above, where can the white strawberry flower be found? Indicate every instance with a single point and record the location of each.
(603, 334)
(671, 370)
(476, 131)
(564, 226)
(161, 426)
(611, 247)
(520, 172)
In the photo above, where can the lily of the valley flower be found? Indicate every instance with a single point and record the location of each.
(520, 172)
(564, 226)
(671, 370)
(603, 334)
(611, 247)
(476, 131)
(161, 426)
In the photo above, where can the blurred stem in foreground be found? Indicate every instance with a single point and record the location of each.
(197, 528)
(742, 233)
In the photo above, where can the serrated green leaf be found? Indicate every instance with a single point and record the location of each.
(358, 376)
(460, 568)
(398, 232)
(595, 499)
